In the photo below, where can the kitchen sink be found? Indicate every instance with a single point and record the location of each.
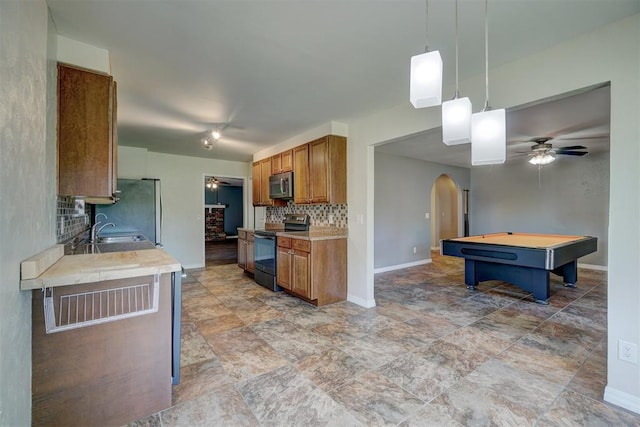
(121, 239)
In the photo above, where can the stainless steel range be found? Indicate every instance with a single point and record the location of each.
(265, 249)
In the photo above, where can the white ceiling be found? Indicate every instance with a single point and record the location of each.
(269, 70)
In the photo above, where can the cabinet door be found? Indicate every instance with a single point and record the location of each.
(251, 265)
(242, 254)
(300, 277)
(276, 164)
(286, 161)
(301, 174)
(256, 183)
(85, 133)
(265, 173)
(319, 169)
(283, 269)
(114, 139)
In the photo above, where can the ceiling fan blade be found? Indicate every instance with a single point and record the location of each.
(573, 147)
(580, 138)
(571, 153)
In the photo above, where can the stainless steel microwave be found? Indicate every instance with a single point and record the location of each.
(281, 186)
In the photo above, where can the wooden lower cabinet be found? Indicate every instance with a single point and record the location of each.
(251, 263)
(103, 374)
(246, 258)
(315, 270)
(242, 249)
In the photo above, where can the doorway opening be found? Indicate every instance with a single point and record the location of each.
(447, 206)
(223, 214)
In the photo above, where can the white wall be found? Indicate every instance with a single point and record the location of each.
(27, 186)
(402, 197)
(610, 53)
(182, 181)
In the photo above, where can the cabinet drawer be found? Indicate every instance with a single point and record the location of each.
(284, 242)
(301, 245)
(242, 235)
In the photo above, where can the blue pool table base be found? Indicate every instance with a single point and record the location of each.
(534, 280)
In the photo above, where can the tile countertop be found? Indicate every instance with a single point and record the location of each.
(317, 233)
(89, 268)
(314, 233)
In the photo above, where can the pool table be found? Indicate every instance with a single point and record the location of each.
(522, 259)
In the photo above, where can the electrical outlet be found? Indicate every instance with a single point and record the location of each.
(628, 351)
(426, 215)
(331, 220)
(415, 249)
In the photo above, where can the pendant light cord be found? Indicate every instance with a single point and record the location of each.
(486, 55)
(457, 91)
(426, 26)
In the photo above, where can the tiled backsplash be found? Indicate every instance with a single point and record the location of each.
(319, 214)
(70, 220)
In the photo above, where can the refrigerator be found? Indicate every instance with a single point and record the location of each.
(138, 209)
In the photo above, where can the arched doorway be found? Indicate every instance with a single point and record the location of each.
(446, 210)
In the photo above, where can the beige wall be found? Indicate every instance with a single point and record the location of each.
(27, 186)
(610, 53)
(182, 182)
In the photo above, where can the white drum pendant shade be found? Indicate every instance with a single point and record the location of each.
(489, 136)
(425, 88)
(456, 121)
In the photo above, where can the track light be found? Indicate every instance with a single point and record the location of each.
(215, 135)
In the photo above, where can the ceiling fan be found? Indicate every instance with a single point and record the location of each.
(543, 152)
(212, 183)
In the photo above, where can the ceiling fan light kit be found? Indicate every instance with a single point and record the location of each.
(456, 114)
(541, 159)
(425, 80)
(488, 127)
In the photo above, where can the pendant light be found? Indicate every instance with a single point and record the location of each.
(488, 127)
(425, 87)
(456, 114)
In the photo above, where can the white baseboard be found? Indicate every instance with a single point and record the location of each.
(593, 267)
(435, 248)
(400, 266)
(361, 301)
(622, 399)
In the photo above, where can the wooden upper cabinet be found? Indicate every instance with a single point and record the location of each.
(301, 174)
(320, 171)
(87, 136)
(261, 171)
(282, 162)
(265, 173)
(256, 184)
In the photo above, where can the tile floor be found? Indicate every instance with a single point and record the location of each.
(430, 354)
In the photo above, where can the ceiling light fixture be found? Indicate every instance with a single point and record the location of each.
(456, 114)
(425, 81)
(488, 127)
(541, 159)
(211, 139)
(212, 183)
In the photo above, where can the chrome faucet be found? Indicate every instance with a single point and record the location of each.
(109, 224)
(95, 230)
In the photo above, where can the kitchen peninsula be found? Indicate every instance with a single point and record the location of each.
(102, 336)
